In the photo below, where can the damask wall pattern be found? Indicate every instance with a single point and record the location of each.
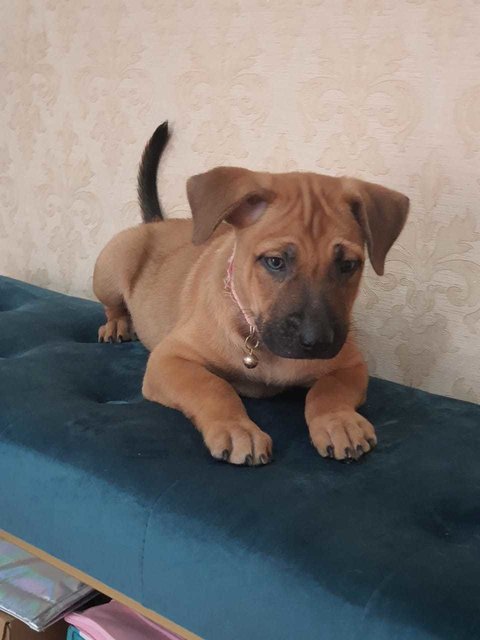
(383, 90)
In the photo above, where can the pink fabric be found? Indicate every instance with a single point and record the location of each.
(230, 286)
(114, 621)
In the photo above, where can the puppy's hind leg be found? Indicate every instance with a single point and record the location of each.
(109, 282)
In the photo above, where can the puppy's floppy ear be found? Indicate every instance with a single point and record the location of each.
(381, 213)
(229, 194)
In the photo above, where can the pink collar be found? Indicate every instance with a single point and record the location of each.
(230, 287)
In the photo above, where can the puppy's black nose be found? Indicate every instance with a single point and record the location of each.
(312, 334)
(307, 339)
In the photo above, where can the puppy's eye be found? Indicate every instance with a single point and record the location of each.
(274, 263)
(348, 266)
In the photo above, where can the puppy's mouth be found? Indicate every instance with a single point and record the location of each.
(285, 340)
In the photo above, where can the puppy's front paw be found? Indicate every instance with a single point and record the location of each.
(238, 443)
(117, 330)
(343, 435)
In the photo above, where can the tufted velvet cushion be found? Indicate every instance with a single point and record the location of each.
(304, 548)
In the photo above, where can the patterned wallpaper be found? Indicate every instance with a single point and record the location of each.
(384, 90)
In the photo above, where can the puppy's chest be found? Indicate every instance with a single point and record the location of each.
(271, 376)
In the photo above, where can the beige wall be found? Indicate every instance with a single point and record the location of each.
(382, 89)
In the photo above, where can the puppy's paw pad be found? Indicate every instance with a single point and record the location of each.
(118, 330)
(343, 435)
(240, 444)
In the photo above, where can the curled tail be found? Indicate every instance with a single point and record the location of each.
(147, 175)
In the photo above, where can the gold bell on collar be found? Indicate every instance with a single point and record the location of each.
(250, 360)
(251, 343)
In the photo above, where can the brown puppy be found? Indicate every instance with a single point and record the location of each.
(275, 285)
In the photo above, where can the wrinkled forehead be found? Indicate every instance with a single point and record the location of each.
(311, 211)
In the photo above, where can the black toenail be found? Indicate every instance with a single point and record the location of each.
(225, 454)
(359, 450)
(371, 442)
(110, 340)
(348, 453)
(249, 460)
(100, 339)
(120, 338)
(330, 451)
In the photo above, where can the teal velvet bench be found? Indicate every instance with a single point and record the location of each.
(123, 491)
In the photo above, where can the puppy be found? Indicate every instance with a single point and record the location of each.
(252, 306)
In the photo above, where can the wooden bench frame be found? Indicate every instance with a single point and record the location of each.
(100, 586)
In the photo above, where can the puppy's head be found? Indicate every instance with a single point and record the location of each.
(300, 248)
